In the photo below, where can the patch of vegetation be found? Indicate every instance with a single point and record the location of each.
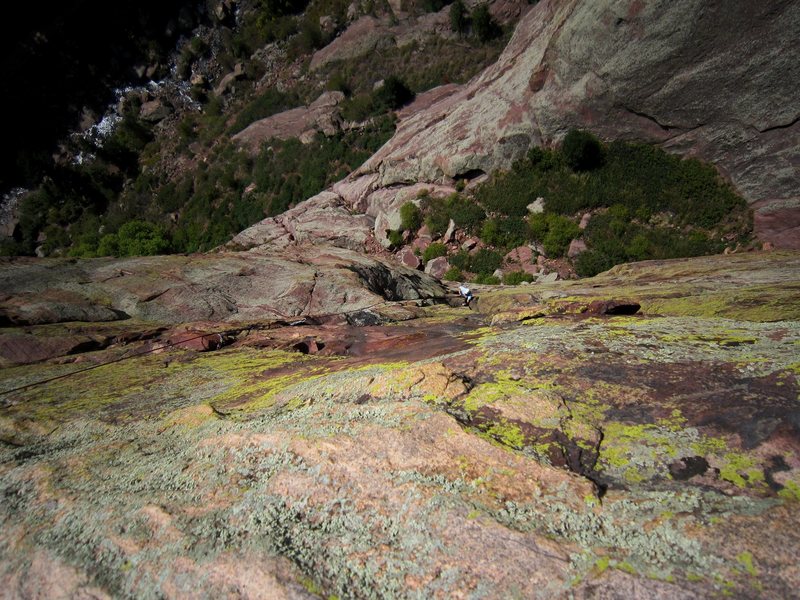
(554, 231)
(420, 65)
(465, 213)
(410, 217)
(517, 277)
(435, 250)
(582, 151)
(506, 232)
(647, 204)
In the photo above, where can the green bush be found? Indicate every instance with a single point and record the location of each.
(517, 277)
(395, 238)
(506, 232)
(453, 274)
(435, 250)
(582, 150)
(410, 217)
(555, 232)
(460, 260)
(393, 94)
(484, 26)
(592, 262)
(465, 213)
(459, 19)
(485, 279)
(485, 261)
(139, 238)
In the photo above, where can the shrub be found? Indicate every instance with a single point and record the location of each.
(395, 237)
(108, 246)
(460, 260)
(517, 277)
(485, 261)
(139, 238)
(582, 151)
(410, 217)
(393, 94)
(459, 20)
(485, 279)
(435, 250)
(507, 233)
(484, 26)
(453, 274)
(592, 262)
(464, 212)
(555, 232)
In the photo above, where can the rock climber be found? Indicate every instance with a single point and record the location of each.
(465, 293)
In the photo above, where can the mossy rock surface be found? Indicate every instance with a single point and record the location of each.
(432, 456)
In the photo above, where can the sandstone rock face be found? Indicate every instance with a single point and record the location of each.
(365, 35)
(671, 73)
(230, 287)
(324, 218)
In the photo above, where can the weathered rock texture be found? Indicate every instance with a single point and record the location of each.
(709, 79)
(564, 451)
(212, 287)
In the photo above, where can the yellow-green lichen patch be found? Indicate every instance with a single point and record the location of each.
(790, 491)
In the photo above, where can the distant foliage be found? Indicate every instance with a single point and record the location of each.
(453, 274)
(434, 250)
(135, 238)
(393, 94)
(517, 277)
(485, 279)
(485, 261)
(465, 213)
(555, 232)
(459, 19)
(395, 238)
(484, 26)
(582, 151)
(506, 232)
(648, 204)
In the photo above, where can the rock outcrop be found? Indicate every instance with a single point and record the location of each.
(711, 80)
(321, 116)
(549, 443)
(222, 287)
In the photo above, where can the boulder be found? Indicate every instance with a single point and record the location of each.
(537, 206)
(324, 218)
(229, 79)
(576, 247)
(469, 244)
(155, 110)
(449, 235)
(437, 267)
(311, 279)
(407, 257)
